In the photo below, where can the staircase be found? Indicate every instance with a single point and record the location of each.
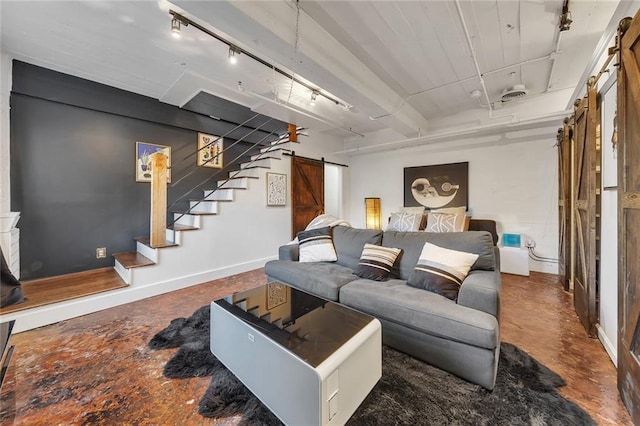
(174, 258)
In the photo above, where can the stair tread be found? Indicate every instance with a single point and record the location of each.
(147, 242)
(178, 227)
(195, 213)
(256, 167)
(248, 177)
(132, 259)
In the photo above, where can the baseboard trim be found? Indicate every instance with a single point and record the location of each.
(56, 312)
(608, 346)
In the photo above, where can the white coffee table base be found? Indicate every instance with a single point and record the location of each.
(293, 390)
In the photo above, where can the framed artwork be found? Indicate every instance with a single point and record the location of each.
(143, 160)
(276, 294)
(438, 186)
(210, 149)
(276, 189)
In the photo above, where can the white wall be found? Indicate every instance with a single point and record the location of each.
(5, 90)
(608, 329)
(514, 184)
(333, 190)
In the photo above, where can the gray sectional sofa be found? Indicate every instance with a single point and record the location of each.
(462, 337)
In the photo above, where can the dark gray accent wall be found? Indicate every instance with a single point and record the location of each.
(73, 162)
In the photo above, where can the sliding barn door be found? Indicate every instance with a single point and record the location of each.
(564, 202)
(585, 192)
(629, 215)
(307, 192)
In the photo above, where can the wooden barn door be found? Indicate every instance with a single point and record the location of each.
(307, 192)
(629, 215)
(585, 202)
(564, 202)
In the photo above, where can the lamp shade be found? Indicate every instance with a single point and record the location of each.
(372, 212)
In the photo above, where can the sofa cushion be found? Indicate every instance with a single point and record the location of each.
(423, 311)
(321, 279)
(376, 262)
(316, 245)
(441, 270)
(447, 222)
(411, 243)
(349, 243)
(404, 222)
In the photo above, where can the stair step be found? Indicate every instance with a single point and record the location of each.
(219, 194)
(192, 213)
(203, 206)
(253, 173)
(277, 145)
(240, 183)
(179, 227)
(275, 154)
(265, 162)
(132, 259)
(242, 304)
(254, 311)
(278, 323)
(187, 219)
(147, 242)
(266, 317)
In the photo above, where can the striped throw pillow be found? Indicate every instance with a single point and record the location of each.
(441, 270)
(376, 262)
(316, 245)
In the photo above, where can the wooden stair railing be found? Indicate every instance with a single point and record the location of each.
(158, 199)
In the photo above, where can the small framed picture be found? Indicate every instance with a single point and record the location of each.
(210, 150)
(276, 189)
(143, 160)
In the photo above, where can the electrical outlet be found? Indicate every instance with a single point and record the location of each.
(101, 252)
(530, 244)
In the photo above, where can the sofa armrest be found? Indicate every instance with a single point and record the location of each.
(288, 252)
(481, 290)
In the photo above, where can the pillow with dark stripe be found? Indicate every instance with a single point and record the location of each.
(441, 270)
(316, 245)
(376, 262)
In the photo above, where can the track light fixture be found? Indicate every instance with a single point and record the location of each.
(565, 18)
(232, 54)
(234, 51)
(175, 28)
(314, 96)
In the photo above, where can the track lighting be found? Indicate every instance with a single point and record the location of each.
(175, 28)
(179, 20)
(565, 17)
(232, 54)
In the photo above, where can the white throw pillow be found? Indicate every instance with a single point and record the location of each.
(413, 210)
(445, 222)
(441, 270)
(404, 222)
(316, 245)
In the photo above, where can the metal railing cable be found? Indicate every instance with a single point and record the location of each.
(219, 153)
(259, 156)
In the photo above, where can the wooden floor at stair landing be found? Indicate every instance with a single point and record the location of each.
(65, 287)
(97, 369)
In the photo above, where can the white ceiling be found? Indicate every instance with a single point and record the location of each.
(399, 64)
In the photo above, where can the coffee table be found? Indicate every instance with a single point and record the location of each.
(309, 360)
